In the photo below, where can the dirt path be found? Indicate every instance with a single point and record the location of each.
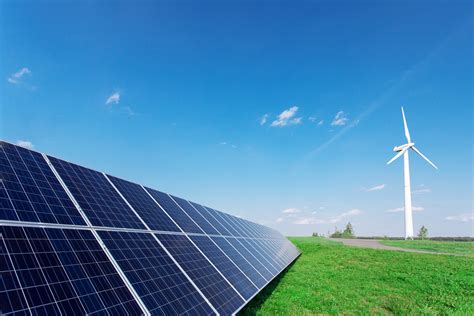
(375, 244)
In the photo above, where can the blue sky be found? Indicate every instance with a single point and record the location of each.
(281, 113)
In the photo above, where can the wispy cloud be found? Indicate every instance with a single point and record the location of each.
(279, 220)
(340, 119)
(311, 220)
(25, 143)
(287, 118)
(312, 119)
(16, 77)
(114, 98)
(223, 143)
(375, 188)
(291, 210)
(264, 119)
(401, 209)
(466, 217)
(320, 122)
(421, 190)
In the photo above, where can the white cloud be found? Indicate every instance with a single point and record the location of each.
(312, 119)
(402, 209)
(287, 118)
(25, 143)
(15, 78)
(291, 210)
(264, 119)
(466, 217)
(330, 220)
(375, 188)
(223, 143)
(114, 98)
(340, 119)
(320, 122)
(421, 191)
(279, 219)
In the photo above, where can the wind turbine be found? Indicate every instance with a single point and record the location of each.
(403, 150)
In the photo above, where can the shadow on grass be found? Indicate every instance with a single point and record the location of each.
(256, 303)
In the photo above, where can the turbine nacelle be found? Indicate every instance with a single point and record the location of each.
(402, 147)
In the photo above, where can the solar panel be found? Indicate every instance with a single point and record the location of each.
(203, 211)
(144, 205)
(30, 192)
(77, 241)
(175, 212)
(96, 197)
(244, 264)
(218, 290)
(252, 257)
(59, 271)
(226, 266)
(154, 274)
(201, 221)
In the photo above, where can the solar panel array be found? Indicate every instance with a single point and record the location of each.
(78, 241)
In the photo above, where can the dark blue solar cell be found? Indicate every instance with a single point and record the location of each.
(211, 219)
(29, 190)
(173, 210)
(144, 205)
(100, 202)
(252, 258)
(60, 272)
(244, 265)
(226, 266)
(196, 216)
(217, 290)
(161, 285)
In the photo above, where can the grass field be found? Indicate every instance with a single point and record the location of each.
(457, 247)
(329, 278)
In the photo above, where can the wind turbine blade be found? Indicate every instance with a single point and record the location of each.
(424, 157)
(407, 132)
(397, 155)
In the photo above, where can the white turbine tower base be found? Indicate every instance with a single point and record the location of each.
(403, 150)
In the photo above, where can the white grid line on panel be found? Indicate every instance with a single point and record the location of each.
(99, 240)
(159, 242)
(192, 242)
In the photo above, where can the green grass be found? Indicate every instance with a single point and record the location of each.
(457, 247)
(329, 278)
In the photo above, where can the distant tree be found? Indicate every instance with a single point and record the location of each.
(315, 234)
(423, 233)
(337, 233)
(348, 232)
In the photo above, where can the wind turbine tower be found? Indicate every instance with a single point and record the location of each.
(403, 150)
